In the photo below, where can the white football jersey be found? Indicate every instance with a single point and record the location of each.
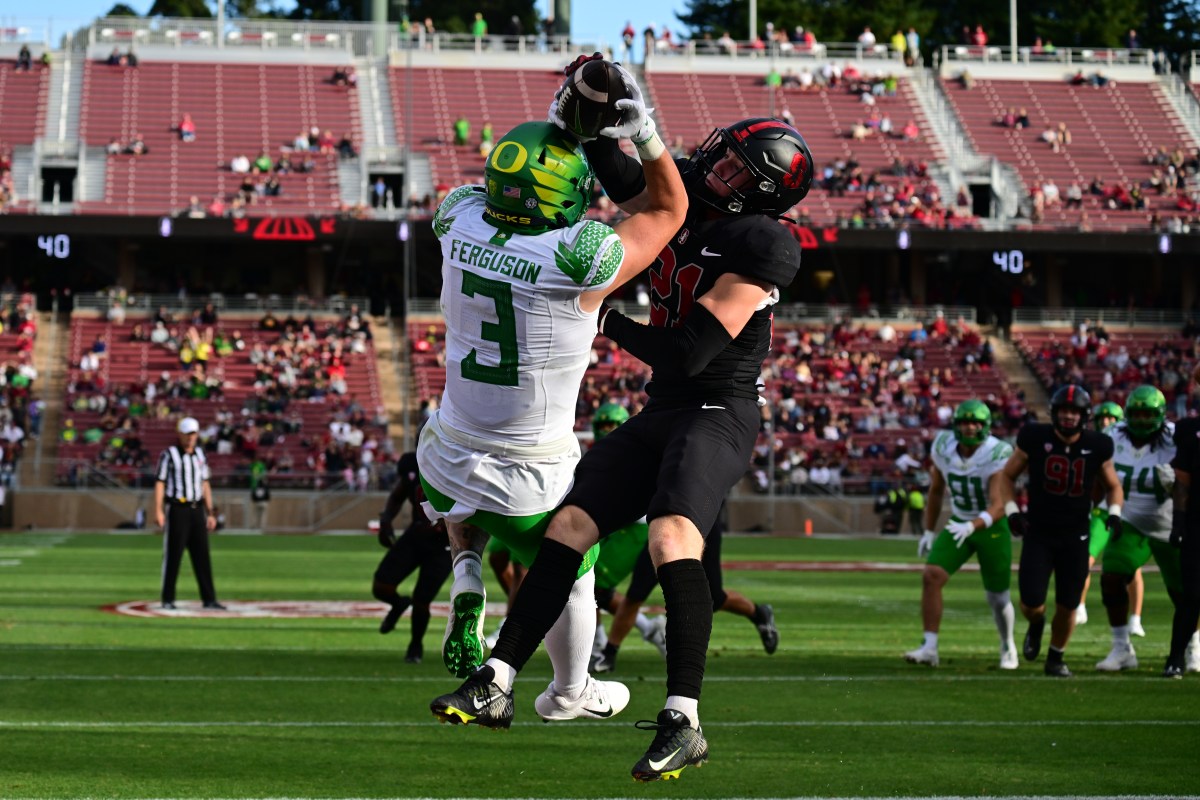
(517, 342)
(967, 478)
(1147, 477)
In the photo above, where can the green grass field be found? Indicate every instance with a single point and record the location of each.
(94, 704)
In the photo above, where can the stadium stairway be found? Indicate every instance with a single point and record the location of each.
(388, 352)
(50, 357)
(1017, 372)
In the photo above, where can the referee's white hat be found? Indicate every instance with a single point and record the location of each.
(189, 425)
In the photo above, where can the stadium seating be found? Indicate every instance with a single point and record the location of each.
(133, 364)
(1114, 130)
(237, 108)
(23, 97)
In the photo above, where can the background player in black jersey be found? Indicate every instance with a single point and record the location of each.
(712, 287)
(1185, 534)
(423, 546)
(1064, 461)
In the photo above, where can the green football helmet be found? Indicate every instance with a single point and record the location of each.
(1108, 410)
(609, 414)
(1145, 411)
(537, 178)
(972, 411)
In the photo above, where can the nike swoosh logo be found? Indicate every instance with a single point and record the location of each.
(1086, 452)
(704, 251)
(657, 765)
(605, 713)
(478, 705)
(1082, 538)
(718, 408)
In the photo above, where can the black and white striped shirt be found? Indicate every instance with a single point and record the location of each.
(183, 473)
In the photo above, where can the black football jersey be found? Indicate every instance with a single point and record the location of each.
(1061, 476)
(1187, 458)
(704, 249)
(408, 472)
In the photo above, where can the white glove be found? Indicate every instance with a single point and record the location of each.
(638, 125)
(926, 544)
(961, 531)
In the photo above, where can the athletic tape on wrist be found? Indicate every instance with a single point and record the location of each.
(986, 519)
(1114, 511)
(652, 149)
(1011, 508)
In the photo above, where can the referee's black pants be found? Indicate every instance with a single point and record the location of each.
(1187, 606)
(186, 530)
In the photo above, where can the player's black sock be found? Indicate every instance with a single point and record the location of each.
(689, 624)
(1054, 655)
(759, 617)
(610, 650)
(420, 622)
(538, 603)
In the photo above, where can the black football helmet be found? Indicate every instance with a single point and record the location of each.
(1074, 397)
(776, 156)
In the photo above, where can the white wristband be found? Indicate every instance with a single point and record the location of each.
(652, 149)
(986, 519)
(1011, 508)
(1114, 511)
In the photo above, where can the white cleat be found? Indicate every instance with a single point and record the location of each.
(599, 700)
(1121, 657)
(1191, 656)
(1081, 616)
(494, 637)
(1136, 629)
(922, 655)
(657, 634)
(1008, 657)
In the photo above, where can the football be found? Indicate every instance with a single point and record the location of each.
(586, 101)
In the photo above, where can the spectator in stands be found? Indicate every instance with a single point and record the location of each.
(627, 35)
(271, 187)
(1023, 119)
(479, 26)
(300, 143)
(379, 192)
(1009, 118)
(136, 146)
(1062, 137)
(195, 209)
(866, 39)
(462, 130)
(967, 81)
(1074, 196)
(24, 59)
(1132, 41)
(187, 129)
(326, 144)
(240, 164)
(1096, 187)
(1099, 80)
(979, 37)
(115, 59)
(727, 44)
(262, 165)
(116, 312)
(1078, 79)
(1050, 191)
(217, 207)
(131, 59)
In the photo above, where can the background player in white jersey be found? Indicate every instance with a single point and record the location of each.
(966, 460)
(523, 279)
(1143, 448)
(1105, 415)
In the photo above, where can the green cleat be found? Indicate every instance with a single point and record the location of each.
(462, 646)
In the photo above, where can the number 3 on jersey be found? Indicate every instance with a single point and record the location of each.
(503, 332)
(672, 284)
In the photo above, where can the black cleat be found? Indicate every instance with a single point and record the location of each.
(765, 622)
(1173, 670)
(1057, 669)
(393, 615)
(676, 745)
(478, 701)
(605, 661)
(415, 653)
(215, 606)
(1032, 647)
(168, 606)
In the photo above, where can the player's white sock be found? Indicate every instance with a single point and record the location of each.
(505, 674)
(1120, 635)
(468, 574)
(930, 642)
(1135, 621)
(601, 637)
(688, 706)
(1003, 614)
(569, 640)
(644, 624)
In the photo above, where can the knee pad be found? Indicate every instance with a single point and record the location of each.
(1112, 596)
(997, 601)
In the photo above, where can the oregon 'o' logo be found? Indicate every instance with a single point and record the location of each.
(509, 156)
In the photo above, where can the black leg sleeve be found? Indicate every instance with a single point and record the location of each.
(539, 602)
(689, 625)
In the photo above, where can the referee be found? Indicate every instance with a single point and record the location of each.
(184, 512)
(1185, 534)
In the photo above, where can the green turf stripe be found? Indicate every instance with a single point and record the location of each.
(1086, 723)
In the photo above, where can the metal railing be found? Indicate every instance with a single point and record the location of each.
(1076, 56)
(1167, 317)
(81, 473)
(149, 303)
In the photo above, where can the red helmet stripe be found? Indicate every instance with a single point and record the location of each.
(742, 135)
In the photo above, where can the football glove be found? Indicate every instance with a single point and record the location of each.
(1113, 523)
(1018, 524)
(1178, 522)
(926, 544)
(638, 125)
(552, 116)
(387, 534)
(961, 531)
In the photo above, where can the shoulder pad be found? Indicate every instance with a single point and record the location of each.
(594, 256)
(769, 252)
(441, 217)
